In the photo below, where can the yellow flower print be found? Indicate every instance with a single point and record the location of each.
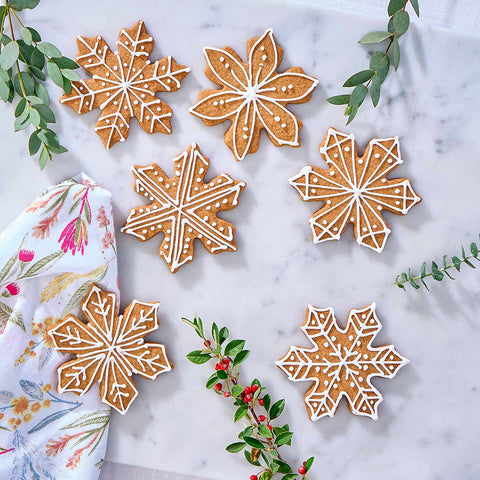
(11, 421)
(47, 387)
(46, 403)
(31, 343)
(20, 405)
(27, 417)
(1, 416)
(35, 407)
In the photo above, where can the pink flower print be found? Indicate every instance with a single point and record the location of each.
(13, 289)
(107, 240)
(74, 237)
(102, 219)
(26, 255)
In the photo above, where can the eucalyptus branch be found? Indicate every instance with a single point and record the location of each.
(259, 440)
(379, 67)
(22, 65)
(438, 273)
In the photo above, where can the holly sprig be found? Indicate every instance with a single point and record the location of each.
(25, 64)
(371, 80)
(439, 272)
(260, 440)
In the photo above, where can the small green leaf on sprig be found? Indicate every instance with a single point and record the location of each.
(438, 272)
(23, 62)
(260, 440)
(371, 80)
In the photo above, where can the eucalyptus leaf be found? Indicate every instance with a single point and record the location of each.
(375, 37)
(4, 91)
(401, 22)
(358, 95)
(9, 55)
(54, 73)
(394, 6)
(358, 78)
(27, 36)
(396, 53)
(70, 74)
(34, 143)
(41, 92)
(416, 6)
(49, 49)
(339, 100)
(43, 158)
(21, 4)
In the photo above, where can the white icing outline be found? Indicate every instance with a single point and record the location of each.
(254, 92)
(181, 209)
(326, 373)
(113, 350)
(360, 193)
(123, 84)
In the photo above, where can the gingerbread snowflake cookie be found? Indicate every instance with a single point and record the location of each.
(253, 95)
(341, 362)
(124, 84)
(184, 207)
(109, 348)
(355, 189)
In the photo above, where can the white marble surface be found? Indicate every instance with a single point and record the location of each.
(428, 423)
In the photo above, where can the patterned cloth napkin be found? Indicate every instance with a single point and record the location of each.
(49, 257)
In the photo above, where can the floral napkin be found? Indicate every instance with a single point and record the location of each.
(49, 257)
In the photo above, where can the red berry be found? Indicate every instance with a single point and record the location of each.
(270, 427)
(247, 398)
(304, 463)
(253, 477)
(218, 366)
(224, 366)
(226, 394)
(247, 390)
(260, 402)
(207, 343)
(302, 471)
(218, 386)
(262, 418)
(226, 360)
(254, 388)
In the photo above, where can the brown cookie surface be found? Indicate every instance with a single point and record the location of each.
(124, 84)
(253, 95)
(341, 362)
(355, 189)
(109, 348)
(184, 208)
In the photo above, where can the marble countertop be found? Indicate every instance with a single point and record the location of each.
(428, 422)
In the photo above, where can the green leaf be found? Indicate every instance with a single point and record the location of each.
(223, 334)
(46, 113)
(358, 78)
(41, 92)
(37, 59)
(396, 53)
(309, 463)
(4, 75)
(49, 137)
(64, 62)
(284, 438)
(4, 91)
(401, 22)
(290, 476)
(415, 6)
(240, 412)
(28, 83)
(234, 347)
(266, 402)
(34, 117)
(21, 4)
(339, 100)
(34, 143)
(222, 374)
(43, 264)
(283, 467)
(22, 122)
(436, 273)
(9, 55)
(35, 35)
(235, 447)
(48, 49)
(38, 73)
(375, 90)
(213, 379)
(54, 73)
(253, 442)
(198, 357)
(353, 113)
(249, 459)
(358, 95)
(237, 390)
(27, 36)
(241, 357)
(381, 63)
(265, 431)
(70, 74)
(394, 6)
(375, 37)
(474, 249)
(277, 409)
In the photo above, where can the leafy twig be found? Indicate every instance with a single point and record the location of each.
(22, 65)
(379, 66)
(260, 440)
(437, 272)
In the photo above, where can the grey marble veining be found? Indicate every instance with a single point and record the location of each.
(428, 423)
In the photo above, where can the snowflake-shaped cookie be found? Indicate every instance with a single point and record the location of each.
(124, 84)
(253, 95)
(184, 208)
(109, 348)
(355, 189)
(341, 363)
